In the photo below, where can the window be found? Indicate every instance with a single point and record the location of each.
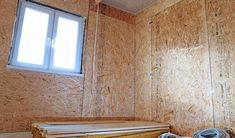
(47, 39)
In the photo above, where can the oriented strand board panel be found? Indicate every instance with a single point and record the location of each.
(92, 97)
(109, 77)
(143, 81)
(221, 30)
(114, 68)
(143, 71)
(110, 90)
(181, 84)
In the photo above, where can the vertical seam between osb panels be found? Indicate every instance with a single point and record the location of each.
(102, 46)
(151, 71)
(210, 63)
(135, 72)
(94, 52)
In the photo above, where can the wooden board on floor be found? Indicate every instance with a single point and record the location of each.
(100, 129)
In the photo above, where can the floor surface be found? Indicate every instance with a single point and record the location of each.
(16, 135)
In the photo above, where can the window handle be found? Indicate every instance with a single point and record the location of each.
(53, 43)
(48, 41)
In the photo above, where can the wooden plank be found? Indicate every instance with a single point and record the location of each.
(147, 134)
(75, 123)
(90, 129)
(94, 129)
(100, 127)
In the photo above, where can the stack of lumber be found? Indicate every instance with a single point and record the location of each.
(99, 129)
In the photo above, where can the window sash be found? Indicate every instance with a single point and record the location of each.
(79, 47)
(16, 44)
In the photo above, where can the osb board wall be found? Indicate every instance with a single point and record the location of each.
(112, 86)
(114, 74)
(221, 30)
(180, 67)
(143, 92)
(29, 96)
(182, 85)
(102, 88)
(143, 71)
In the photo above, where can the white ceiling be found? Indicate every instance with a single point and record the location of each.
(131, 6)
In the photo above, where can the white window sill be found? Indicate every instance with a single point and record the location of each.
(44, 71)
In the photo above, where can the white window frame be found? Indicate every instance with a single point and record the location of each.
(80, 41)
(54, 14)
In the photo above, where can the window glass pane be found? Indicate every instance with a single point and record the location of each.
(65, 47)
(33, 37)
